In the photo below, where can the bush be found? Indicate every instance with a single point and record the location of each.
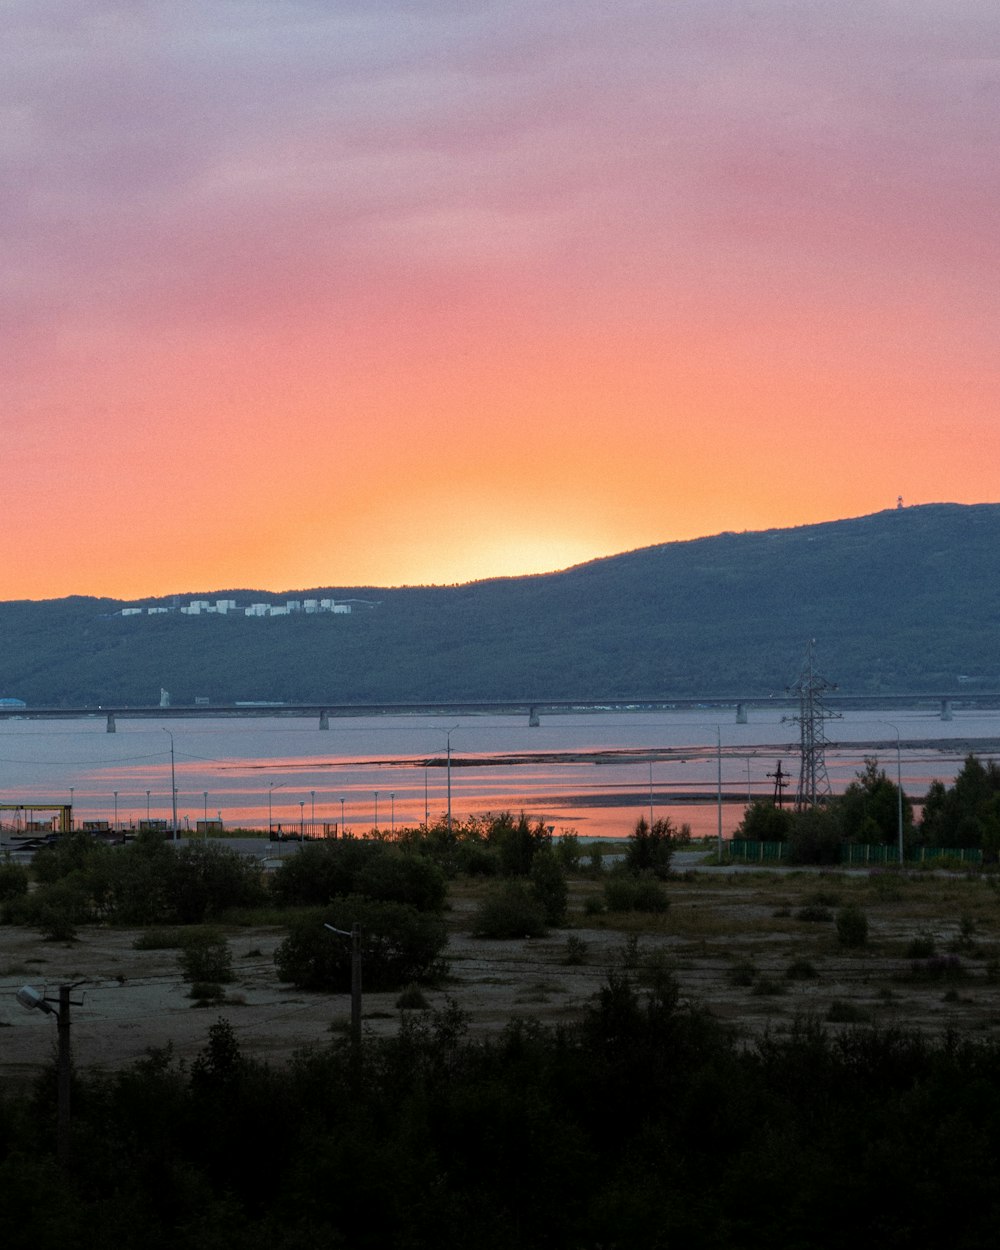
(321, 871)
(800, 970)
(399, 877)
(813, 913)
(840, 1012)
(852, 926)
(548, 885)
(509, 911)
(412, 999)
(921, 947)
(205, 957)
(399, 945)
(650, 848)
(623, 893)
(13, 881)
(206, 993)
(576, 951)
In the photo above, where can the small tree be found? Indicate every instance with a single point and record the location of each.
(548, 884)
(650, 848)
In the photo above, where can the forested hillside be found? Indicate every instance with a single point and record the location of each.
(902, 600)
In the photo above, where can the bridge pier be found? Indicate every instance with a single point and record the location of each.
(741, 713)
(324, 720)
(111, 723)
(946, 709)
(533, 718)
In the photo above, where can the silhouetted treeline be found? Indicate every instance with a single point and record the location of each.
(648, 1124)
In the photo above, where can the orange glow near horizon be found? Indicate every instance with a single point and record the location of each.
(430, 299)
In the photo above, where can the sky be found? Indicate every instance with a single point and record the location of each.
(307, 293)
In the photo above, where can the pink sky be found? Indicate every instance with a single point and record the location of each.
(313, 293)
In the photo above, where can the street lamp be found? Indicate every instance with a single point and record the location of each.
(899, 788)
(718, 785)
(115, 825)
(302, 820)
(376, 811)
(449, 732)
(147, 808)
(392, 818)
(312, 818)
(31, 999)
(173, 786)
(341, 815)
(72, 822)
(271, 787)
(204, 795)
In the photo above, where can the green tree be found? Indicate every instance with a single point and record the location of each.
(966, 814)
(869, 807)
(650, 848)
(548, 884)
(764, 821)
(517, 842)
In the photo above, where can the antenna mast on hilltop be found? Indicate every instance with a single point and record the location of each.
(814, 783)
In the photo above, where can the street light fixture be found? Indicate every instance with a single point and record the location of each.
(31, 1000)
(312, 818)
(341, 815)
(302, 820)
(376, 812)
(114, 826)
(392, 818)
(271, 787)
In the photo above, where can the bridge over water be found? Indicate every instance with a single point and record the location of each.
(533, 709)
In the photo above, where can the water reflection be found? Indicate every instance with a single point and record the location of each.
(595, 773)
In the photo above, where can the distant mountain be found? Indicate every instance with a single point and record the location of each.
(903, 600)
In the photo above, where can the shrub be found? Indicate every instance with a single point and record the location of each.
(548, 885)
(800, 970)
(321, 871)
(206, 993)
(852, 926)
(399, 945)
(205, 957)
(398, 877)
(158, 940)
(576, 951)
(650, 848)
(412, 999)
(938, 968)
(840, 1012)
(13, 881)
(568, 851)
(921, 947)
(742, 973)
(623, 893)
(509, 911)
(593, 905)
(813, 913)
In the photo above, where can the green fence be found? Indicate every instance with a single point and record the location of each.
(746, 852)
(852, 855)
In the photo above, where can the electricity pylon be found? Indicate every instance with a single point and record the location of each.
(814, 783)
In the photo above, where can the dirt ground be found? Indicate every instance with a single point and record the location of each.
(739, 944)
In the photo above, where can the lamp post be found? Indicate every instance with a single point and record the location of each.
(72, 822)
(376, 812)
(651, 794)
(718, 786)
(899, 788)
(31, 999)
(115, 824)
(204, 796)
(449, 732)
(173, 786)
(312, 816)
(341, 815)
(271, 787)
(302, 821)
(147, 808)
(392, 809)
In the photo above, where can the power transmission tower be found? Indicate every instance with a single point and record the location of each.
(814, 783)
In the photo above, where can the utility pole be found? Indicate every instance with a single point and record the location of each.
(355, 936)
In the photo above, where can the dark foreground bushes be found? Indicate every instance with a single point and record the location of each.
(646, 1125)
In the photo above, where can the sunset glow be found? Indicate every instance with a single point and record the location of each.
(341, 294)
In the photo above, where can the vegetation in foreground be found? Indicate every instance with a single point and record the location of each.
(646, 1124)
